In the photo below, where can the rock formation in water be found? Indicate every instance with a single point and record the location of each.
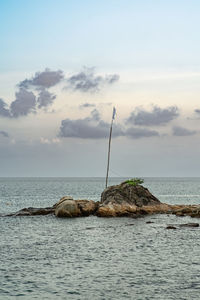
(123, 200)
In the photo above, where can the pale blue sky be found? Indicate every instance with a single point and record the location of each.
(150, 50)
(108, 34)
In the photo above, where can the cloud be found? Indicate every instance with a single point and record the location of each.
(33, 93)
(45, 98)
(25, 101)
(4, 133)
(156, 117)
(88, 128)
(24, 104)
(86, 105)
(4, 112)
(87, 81)
(45, 79)
(136, 133)
(95, 115)
(181, 131)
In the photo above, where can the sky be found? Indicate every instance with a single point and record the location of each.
(64, 65)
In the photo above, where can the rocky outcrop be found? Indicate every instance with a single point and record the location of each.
(130, 194)
(127, 200)
(123, 200)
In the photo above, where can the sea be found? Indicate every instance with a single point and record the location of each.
(44, 257)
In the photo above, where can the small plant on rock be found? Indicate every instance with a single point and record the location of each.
(134, 181)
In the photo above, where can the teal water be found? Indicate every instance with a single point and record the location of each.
(43, 257)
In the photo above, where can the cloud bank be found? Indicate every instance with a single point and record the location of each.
(181, 131)
(91, 127)
(137, 133)
(156, 117)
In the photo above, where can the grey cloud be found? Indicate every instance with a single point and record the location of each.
(82, 128)
(95, 115)
(181, 131)
(137, 133)
(45, 98)
(45, 79)
(86, 105)
(156, 117)
(4, 112)
(24, 104)
(87, 81)
(4, 133)
(88, 128)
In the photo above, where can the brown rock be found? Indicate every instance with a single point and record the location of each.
(130, 194)
(126, 200)
(67, 208)
(87, 207)
(116, 210)
(62, 200)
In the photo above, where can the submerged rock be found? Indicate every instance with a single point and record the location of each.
(189, 225)
(171, 227)
(174, 226)
(32, 211)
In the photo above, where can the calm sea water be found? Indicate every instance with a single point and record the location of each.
(43, 257)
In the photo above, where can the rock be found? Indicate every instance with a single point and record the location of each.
(195, 215)
(62, 200)
(171, 227)
(116, 210)
(87, 207)
(125, 200)
(67, 208)
(32, 211)
(125, 193)
(180, 214)
(189, 225)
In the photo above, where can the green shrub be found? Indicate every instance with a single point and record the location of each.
(134, 181)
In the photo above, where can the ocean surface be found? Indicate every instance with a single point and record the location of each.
(44, 257)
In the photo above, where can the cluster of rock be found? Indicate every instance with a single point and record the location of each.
(116, 201)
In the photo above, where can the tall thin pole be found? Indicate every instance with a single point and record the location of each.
(109, 145)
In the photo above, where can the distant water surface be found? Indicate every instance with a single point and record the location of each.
(43, 257)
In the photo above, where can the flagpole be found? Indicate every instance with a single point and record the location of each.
(109, 145)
